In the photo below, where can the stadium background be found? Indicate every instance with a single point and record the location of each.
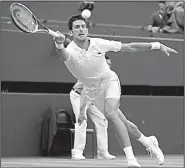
(27, 58)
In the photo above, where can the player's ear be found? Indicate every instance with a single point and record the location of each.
(70, 33)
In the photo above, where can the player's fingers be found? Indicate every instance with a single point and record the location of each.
(172, 50)
(168, 50)
(165, 51)
(54, 38)
(61, 35)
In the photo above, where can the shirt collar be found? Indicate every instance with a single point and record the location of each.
(73, 45)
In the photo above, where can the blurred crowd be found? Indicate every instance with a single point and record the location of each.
(169, 18)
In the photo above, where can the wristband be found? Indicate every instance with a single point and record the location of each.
(155, 45)
(59, 46)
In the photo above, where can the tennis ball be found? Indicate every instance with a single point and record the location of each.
(86, 13)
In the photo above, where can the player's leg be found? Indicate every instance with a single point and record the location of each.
(111, 97)
(151, 142)
(131, 127)
(80, 130)
(101, 125)
(111, 112)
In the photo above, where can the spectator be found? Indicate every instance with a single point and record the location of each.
(157, 20)
(175, 13)
(179, 14)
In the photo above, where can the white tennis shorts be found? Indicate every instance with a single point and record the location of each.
(109, 89)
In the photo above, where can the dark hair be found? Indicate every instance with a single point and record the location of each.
(107, 57)
(74, 18)
(162, 2)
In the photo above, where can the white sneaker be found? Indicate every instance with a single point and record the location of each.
(133, 163)
(105, 156)
(78, 157)
(154, 150)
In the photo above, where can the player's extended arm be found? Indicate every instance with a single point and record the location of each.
(59, 44)
(137, 47)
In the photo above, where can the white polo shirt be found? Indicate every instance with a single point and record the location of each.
(90, 66)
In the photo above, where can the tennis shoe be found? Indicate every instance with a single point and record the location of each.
(154, 150)
(133, 163)
(105, 156)
(78, 157)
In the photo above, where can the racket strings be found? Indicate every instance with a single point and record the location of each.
(24, 18)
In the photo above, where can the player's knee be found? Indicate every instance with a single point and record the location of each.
(111, 108)
(111, 104)
(111, 113)
(111, 116)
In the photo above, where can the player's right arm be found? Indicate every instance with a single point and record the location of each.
(59, 44)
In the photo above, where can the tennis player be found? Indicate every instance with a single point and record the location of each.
(84, 58)
(99, 121)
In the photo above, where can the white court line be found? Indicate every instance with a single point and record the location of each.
(116, 36)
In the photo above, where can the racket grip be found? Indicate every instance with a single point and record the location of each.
(53, 33)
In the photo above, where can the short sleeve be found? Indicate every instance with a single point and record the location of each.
(110, 45)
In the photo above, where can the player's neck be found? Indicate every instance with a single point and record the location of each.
(83, 44)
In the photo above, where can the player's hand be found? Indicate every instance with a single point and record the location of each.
(167, 50)
(81, 118)
(60, 39)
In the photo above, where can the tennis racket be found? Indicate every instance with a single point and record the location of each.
(26, 21)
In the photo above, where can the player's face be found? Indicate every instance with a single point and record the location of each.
(79, 30)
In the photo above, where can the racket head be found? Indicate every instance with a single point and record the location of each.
(23, 18)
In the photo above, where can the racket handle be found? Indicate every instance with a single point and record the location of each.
(53, 33)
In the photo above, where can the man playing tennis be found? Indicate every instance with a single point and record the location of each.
(84, 57)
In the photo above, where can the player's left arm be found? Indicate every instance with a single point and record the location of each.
(111, 45)
(138, 47)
